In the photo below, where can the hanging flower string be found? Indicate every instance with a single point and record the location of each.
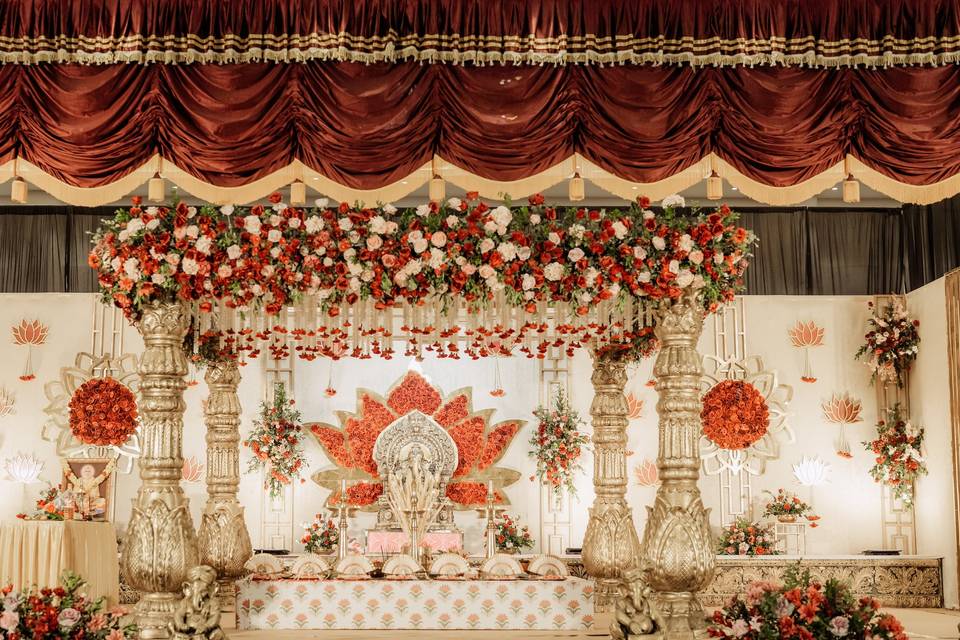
(891, 343)
(899, 460)
(276, 442)
(471, 280)
(558, 444)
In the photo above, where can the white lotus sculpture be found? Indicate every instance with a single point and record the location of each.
(811, 472)
(24, 468)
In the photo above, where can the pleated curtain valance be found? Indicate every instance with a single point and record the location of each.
(234, 133)
(821, 33)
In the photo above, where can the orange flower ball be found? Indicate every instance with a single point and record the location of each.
(103, 412)
(734, 415)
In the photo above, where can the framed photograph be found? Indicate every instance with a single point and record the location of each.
(91, 481)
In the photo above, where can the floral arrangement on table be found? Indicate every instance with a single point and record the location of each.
(734, 414)
(103, 412)
(891, 343)
(480, 444)
(511, 537)
(899, 461)
(802, 608)
(557, 444)
(321, 535)
(49, 506)
(786, 506)
(462, 252)
(61, 612)
(276, 441)
(746, 538)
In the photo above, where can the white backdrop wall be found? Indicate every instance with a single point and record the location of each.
(849, 503)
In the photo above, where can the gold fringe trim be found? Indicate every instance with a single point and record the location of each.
(558, 174)
(481, 50)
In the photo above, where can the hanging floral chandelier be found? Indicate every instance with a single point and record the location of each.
(460, 279)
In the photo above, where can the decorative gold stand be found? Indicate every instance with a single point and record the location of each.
(160, 546)
(223, 538)
(678, 558)
(610, 546)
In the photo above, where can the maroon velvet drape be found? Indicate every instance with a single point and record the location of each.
(822, 32)
(368, 125)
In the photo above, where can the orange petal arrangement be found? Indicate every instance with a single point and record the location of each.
(734, 414)
(193, 469)
(480, 444)
(803, 336)
(30, 334)
(842, 409)
(634, 407)
(646, 473)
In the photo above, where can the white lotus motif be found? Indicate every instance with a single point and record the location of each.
(24, 468)
(811, 472)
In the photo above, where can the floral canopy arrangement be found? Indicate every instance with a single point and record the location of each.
(802, 608)
(103, 412)
(480, 445)
(276, 441)
(899, 461)
(61, 612)
(346, 268)
(746, 538)
(558, 444)
(891, 343)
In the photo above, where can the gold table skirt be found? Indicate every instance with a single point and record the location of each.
(37, 552)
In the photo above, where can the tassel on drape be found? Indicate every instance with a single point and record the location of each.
(298, 193)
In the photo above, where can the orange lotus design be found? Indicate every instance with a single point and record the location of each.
(806, 334)
(634, 407)
(33, 333)
(480, 446)
(842, 409)
(646, 473)
(192, 469)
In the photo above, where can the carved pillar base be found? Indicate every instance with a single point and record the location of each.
(160, 546)
(223, 537)
(678, 557)
(610, 546)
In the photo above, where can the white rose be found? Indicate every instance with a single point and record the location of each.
(204, 244)
(686, 242)
(328, 261)
(158, 278)
(673, 201)
(267, 270)
(420, 245)
(454, 202)
(227, 209)
(389, 209)
(453, 222)
(698, 282)
(414, 267)
(275, 220)
(554, 237)
(523, 253)
(123, 236)
(648, 215)
(355, 269)
(193, 231)
(350, 253)
(591, 276)
(644, 276)
(718, 257)
(486, 245)
(528, 282)
(374, 242)
(436, 258)
(684, 278)
(153, 224)
(130, 268)
(534, 219)
(585, 297)
(659, 243)
(191, 211)
(576, 254)
(233, 252)
(314, 225)
(674, 266)
(508, 250)
(391, 227)
(275, 235)
(378, 224)
(493, 284)
(172, 259)
(345, 224)
(190, 266)
(423, 210)
(696, 256)
(490, 226)
(468, 269)
(252, 225)
(619, 230)
(224, 271)
(553, 271)
(577, 231)
(152, 211)
(135, 225)
(486, 271)
(639, 253)
(294, 223)
(321, 203)
(502, 216)
(438, 239)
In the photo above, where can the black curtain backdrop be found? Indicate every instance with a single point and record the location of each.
(802, 251)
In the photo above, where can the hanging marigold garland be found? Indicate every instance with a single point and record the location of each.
(103, 412)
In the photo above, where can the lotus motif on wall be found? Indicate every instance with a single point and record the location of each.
(646, 473)
(803, 336)
(7, 402)
(192, 469)
(32, 333)
(24, 468)
(480, 444)
(842, 409)
(634, 407)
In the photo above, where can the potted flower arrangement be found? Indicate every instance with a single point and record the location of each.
(891, 343)
(746, 538)
(61, 612)
(558, 444)
(785, 506)
(512, 538)
(899, 461)
(276, 441)
(320, 536)
(802, 608)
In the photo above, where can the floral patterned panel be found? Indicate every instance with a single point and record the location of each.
(415, 604)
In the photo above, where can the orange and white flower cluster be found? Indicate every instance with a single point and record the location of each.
(271, 255)
(276, 442)
(891, 343)
(899, 461)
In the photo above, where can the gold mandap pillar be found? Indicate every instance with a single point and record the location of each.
(677, 552)
(223, 538)
(610, 545)
(160, 545)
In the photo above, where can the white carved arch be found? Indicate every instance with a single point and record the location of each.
(501, 565)
(449, 564)
(548, 566)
